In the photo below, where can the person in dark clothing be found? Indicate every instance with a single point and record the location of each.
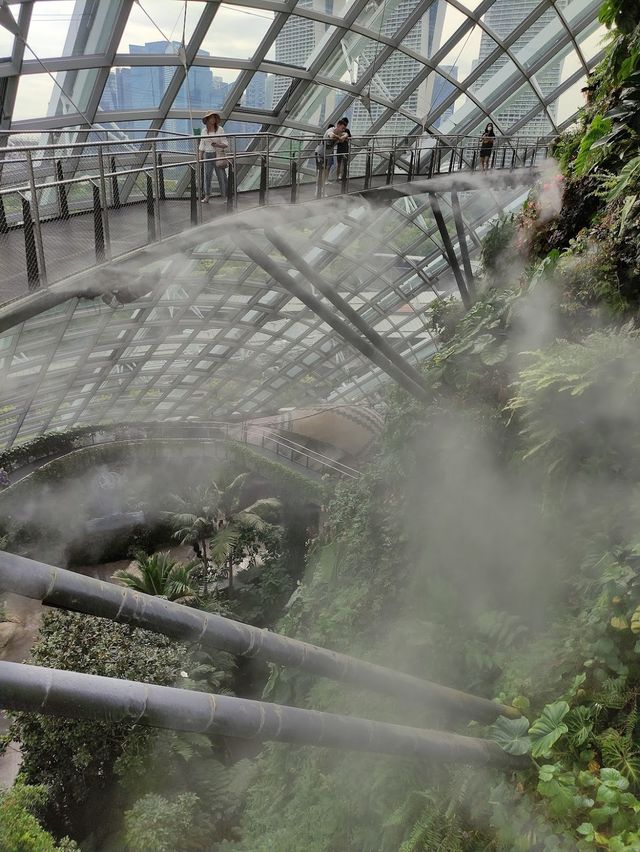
(486, 146)
(342, 147)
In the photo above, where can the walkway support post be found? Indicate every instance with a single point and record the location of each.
(262, 193)
(156, 191)
(345, 331)
(343, 306)
(462, 242)
(367, 171)
(33, 273)
(54, 692)
(193, 193)
(35, 210)
(104, 202)
(4, 228)
(98, 230)
(448, 247)
(63, 204)
(294, 181)
(60, 588)
(151, 216)
(115, 189)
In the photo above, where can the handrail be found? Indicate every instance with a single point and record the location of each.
(40, 194)
(303, 136)
(101, 435)
(285, 441)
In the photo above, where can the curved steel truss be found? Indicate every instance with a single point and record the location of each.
(294, 65)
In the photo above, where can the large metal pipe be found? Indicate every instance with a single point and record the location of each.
(53, 692)
(61, 588)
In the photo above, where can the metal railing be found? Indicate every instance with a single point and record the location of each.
(55, 183)
(274, 442)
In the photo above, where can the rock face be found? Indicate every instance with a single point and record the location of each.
(8, 630)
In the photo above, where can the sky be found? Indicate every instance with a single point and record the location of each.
(235, 33)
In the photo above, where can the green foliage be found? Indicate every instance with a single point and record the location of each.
(586, 156)
(286, 483)
(158, 824)
(78, 761)
(495, 243)
(548, 728)
(20, 830)
(511, 734)
(161, 575)
(622, 14)
(565, 407)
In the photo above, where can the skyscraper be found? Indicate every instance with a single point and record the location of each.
(399, 70)
(144, 86)
(503, 17)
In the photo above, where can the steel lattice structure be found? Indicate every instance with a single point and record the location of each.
(393, 65)
(204, 326)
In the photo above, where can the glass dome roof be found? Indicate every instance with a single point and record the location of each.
(392, 66)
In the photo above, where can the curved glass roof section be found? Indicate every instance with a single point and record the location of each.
(203, 325)
(392, 66)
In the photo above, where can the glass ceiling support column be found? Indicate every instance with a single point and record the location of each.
(448, 247)
(345, 331)
(344, 307)
(462, 242)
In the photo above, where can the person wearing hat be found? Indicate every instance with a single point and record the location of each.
(213, 144)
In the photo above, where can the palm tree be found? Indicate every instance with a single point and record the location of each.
(162, 576)
(214, 524)
(198, 521)
(241, 530)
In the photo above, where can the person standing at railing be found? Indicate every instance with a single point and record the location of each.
(342, 148)
(486, 146)
(212, 149)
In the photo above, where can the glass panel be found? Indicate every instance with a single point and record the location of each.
(236, 32)
(351, 59)
(498, 76)
(394, 76)
(300, 45)
(448, 21)
(474, 47)
(163, 33)
(591, 40)
(504, 16)
(49, 27)
(545, 32)
(39, 96)
(568, 103)
(318, 103)
(557, 71)
(204, 89)
(139, 87)
(386, 18)
(516, 108)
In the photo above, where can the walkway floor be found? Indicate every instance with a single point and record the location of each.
(69, 246)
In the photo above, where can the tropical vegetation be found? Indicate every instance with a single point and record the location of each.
(491, 544)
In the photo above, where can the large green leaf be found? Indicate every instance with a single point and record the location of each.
(548, 728)
(511, 734)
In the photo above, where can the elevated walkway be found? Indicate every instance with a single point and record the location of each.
(67, 214)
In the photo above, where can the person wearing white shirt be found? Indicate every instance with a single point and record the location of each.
(212, 148)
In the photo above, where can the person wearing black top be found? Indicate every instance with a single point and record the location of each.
(486, 146)
(342, 148)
